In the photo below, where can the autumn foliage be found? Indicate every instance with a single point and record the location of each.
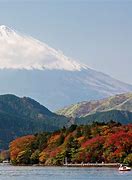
(109, 143)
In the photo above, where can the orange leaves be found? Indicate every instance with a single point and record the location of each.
(43, 156)
(95, 143)
(80, 139)
(19, 145)
(53, 138)
(22, 141)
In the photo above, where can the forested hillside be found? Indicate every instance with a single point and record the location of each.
(110, 142)
(22, 116)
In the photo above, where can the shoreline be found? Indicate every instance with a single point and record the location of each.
(83, 165)
(93, 165)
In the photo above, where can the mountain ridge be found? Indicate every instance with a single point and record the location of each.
(31, 68)
(82, 109)
(22, 116)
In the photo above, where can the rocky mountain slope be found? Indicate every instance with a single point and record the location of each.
(121, 102)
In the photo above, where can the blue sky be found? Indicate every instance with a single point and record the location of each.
(95, 32)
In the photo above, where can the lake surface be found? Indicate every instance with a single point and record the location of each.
(8, 172)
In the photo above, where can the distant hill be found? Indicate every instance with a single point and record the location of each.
(117, 108)
(124, 117)
(121, 102)
(21, 116)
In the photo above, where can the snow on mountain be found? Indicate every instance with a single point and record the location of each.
(29, 67)
(22, 52)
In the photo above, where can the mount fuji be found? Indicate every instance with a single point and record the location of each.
(29, 67)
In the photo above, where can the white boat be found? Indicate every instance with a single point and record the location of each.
(6, 161)
(124, 168)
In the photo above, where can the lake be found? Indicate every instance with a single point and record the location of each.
(8, 172)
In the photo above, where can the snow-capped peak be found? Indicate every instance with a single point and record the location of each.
(18, 51)
(6, 31)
